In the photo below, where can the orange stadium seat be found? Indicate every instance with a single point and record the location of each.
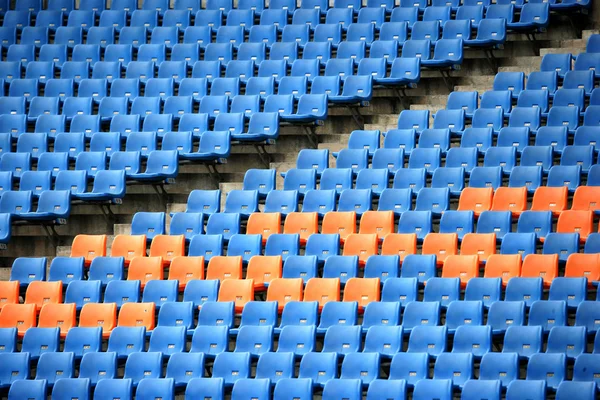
(89, 247)
(137, 314)
(362, 290)
(285, 290)
(304, 224)
(145, 269)
(224, 267)
(9, 293)
(20, 316)
(167, 247)
(264, 224)
(40, 293)
(571, 221)
(477, 200)
(552, 199)
(343, 223)
(481, 244)
(401, 244)
(504, 266)
(378, 222)
(128, 247)
(586, 198)
(510, 199)
(463, 267)
(584, 265)
(102, 315)
(440, 244)
(63, 316)
(544, 266)
(322, 290)
(240, 291)
(185, 269)
(263, 269)
(361, 245)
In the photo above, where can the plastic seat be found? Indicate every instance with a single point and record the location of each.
(302, 224)
(429, 159)
(506, 314)
(108, 388)
(476, 200)
(525, 341)
(562, 244)
(396, 200)
(130, 314)
(547, 367)
(501, 367)
(548, 314)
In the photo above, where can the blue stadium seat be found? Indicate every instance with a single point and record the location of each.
(121, 292)
(342, 340)
(579, 80)
(34, 390)
(456, 368)
(418, 222)
(502, 367)
(231, 367)
(322, 246)
(320, 367)
(585, 390)
(504, 314)
(142, 365)
(460, 222)
(442, 290)
(498, 222)
(38, 341)
(183, 367)
(210, 340)
(83, 292)
(571, 290)
(565, 175)
(81, 341)
(548, 314)
(547, 367)
(159, 292)
(294, 341)
(167, 340)
(28, 269)
(336, 313)
(8, 340)
(420, 314)
(586, 315)
(562, 244)
(19, 368)
(97, 366)
(54, 366)
(388, 161)
(402, 289)
(473, 339)
(297, 313)
(535, 390)
(110, 388)
(355, 200)
(383, 267)
(106, 269)
(208, 245)
(304, 267)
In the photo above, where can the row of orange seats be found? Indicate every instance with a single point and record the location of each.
(377, 224)
(45, 298)
(363, 290)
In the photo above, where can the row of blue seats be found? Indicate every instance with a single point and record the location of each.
(531, 17)
(334, 389)
(480, 138)
(520, 117)
(546, 80)
(261, 126)
(245, 60)
(259, 6)
(237, 74)
(387, 342)
(505, 158)
(486, 32)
